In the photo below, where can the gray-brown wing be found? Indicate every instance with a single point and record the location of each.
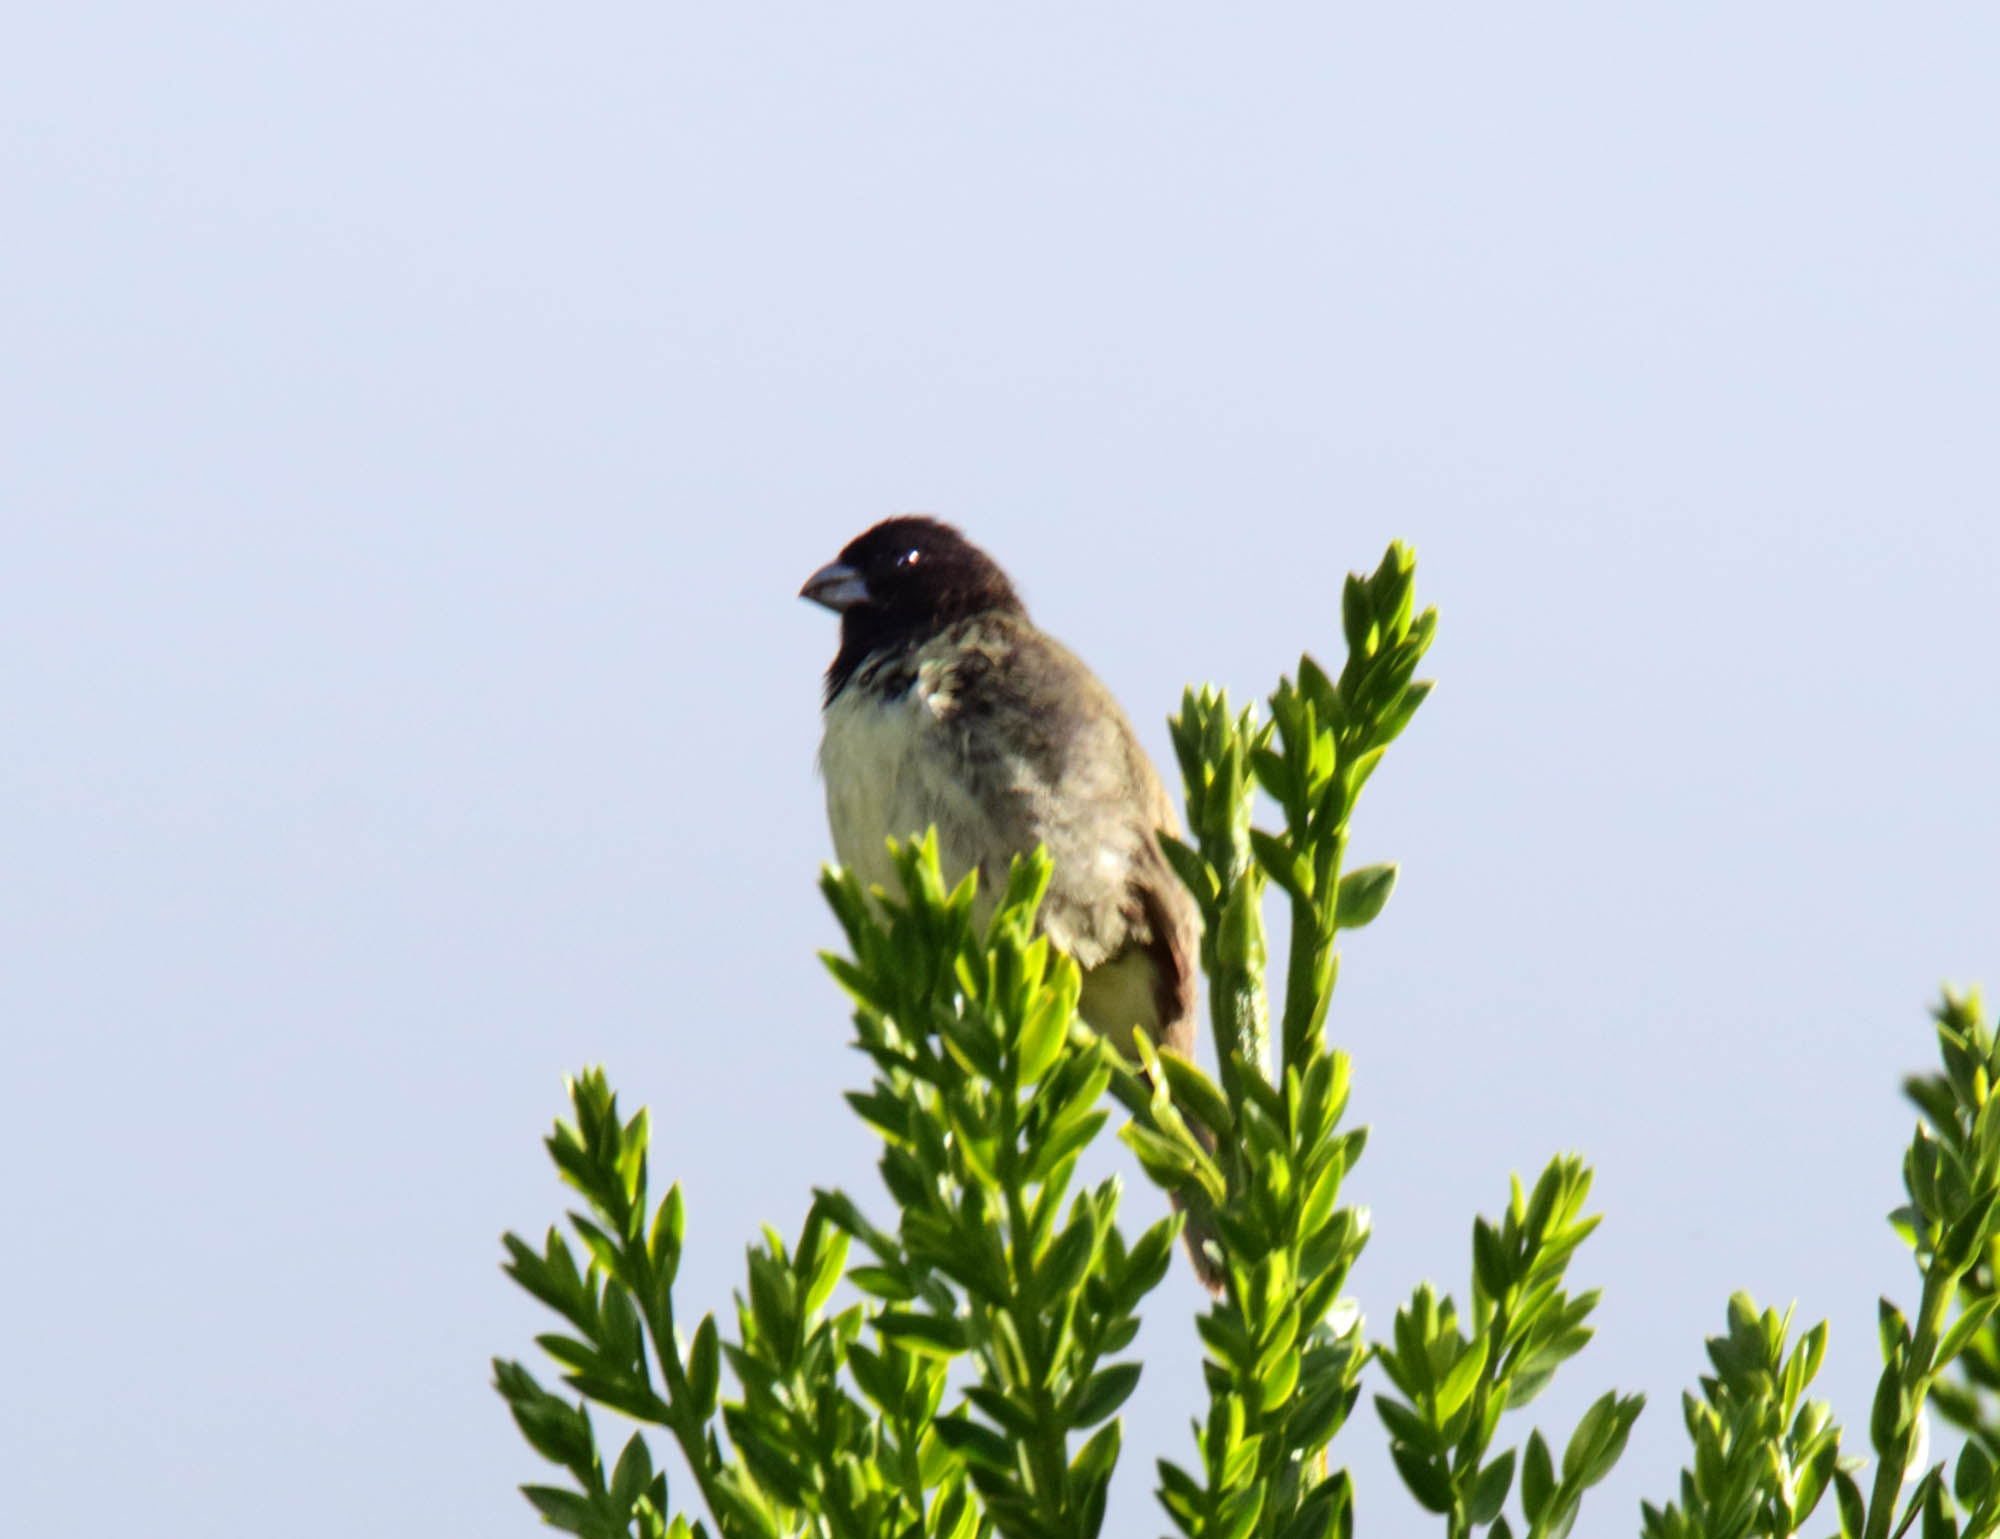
(1057, 763)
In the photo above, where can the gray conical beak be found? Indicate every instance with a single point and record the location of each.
(836, 585)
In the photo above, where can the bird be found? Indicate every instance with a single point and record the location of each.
(946, 707)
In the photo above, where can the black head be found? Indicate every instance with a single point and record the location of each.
(900, 584)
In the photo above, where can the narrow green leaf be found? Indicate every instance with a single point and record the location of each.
(1165, 1161)
(1198, 1093)
(1427, 1478)
(1287, 867)
(1463, 1377)
(565, 1510)
(1063, 1267)
(669, 1223)
(1195, 873)
(976, 1444)
(1853, 1509)
(1105, 1392)
(1240, 1510)
(1968, 1324)
(1889, 1417)
(1363, 894)
(703, 1369)
(634, 1472)
(1275, 775)
(1043, 1035)
(1598, 1431)
(1357, 621)
(1406, 1426)
(1972, 1478)
(1538, 1479)
(926, 1335)
(1489, 1490)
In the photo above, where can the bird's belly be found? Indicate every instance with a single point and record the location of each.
(891, 772)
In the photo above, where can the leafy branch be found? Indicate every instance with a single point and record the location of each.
(1285, 1352)
(968, 1380)
(984, 1097)
(1454, 1386)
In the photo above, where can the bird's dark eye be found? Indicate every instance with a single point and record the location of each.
(909, 558)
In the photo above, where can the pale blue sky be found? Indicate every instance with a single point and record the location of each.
(418, 423)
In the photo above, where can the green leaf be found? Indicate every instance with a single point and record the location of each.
(1198, 1093)
(1426, 1477)
(1562, 1516)
(1406, 1426)
(1099, 1456)
(860, 985)
(1147, 1262)
(1014, 1419)
(1489, 1490)
(1318, 1512)
(882, 1283)
(772, 1463)
(621, 1394)
(1277, 1381)
(1967, 1233)
(1239, 941)
(1166, 1162)
(883, 1111)
(703, 1369)
(1972, 1478)
(1065, 1138)
(572, 1353)
(1463, 1378)
(1240, 1510)
(977, 1445)
(555, 1429)
(1287, 867)
(1105, 1392)
(840, 1210)
(1196, 874)
(926, 1335)
(669, 1223)
(1274, 775)
(1599, 1439)
(1044, 1033)
(774, 1307)
(1363, 894)
(1357, 622)
(1889, 1417)
(1315, 686)
(1491, 1266)
(633, 1474)
(1964, 1328)
(1067, 1260)
(1090, 1478)
(1538, 1479)
(1893, 1328)
(1390, 724)
(566, 1510)
(1930, 1499)
(1853, 1510)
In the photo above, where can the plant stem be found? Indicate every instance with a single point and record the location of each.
(1047, 1449)
(1306, 957)
(1940, 1288)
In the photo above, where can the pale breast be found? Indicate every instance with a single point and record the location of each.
(892, 769)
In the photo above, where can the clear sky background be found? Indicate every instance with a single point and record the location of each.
(417, 424)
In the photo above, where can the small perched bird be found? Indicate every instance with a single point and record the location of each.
(946, 706)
